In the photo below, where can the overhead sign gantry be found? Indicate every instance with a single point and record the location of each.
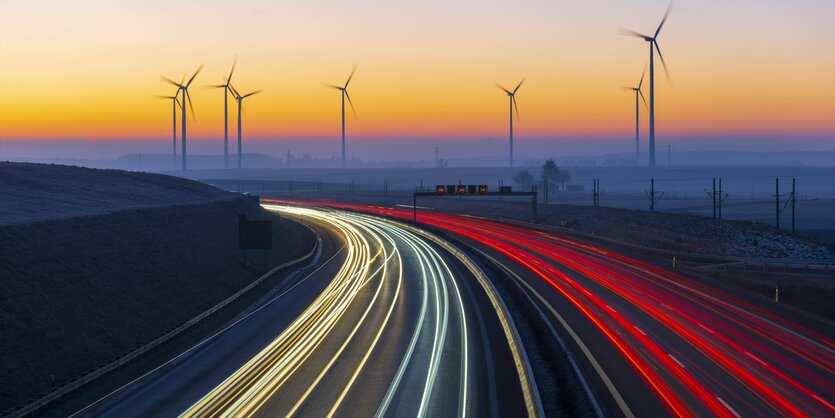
(448, 190)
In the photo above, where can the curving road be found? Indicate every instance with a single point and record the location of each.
(385, 324)
(654, 342)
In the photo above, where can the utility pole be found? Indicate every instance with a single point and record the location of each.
(545, 183)
(794, 199)
(777, 201)
(713, 196)
(721, 198)
(652, 195)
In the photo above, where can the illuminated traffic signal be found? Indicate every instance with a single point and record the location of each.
(462, 189)
(482, 190)
(440, 190)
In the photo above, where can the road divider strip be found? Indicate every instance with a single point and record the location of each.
(533, 403)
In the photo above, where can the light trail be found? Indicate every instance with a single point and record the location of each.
(371, 282)
(741, 359)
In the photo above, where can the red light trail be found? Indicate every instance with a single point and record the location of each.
(695, 346)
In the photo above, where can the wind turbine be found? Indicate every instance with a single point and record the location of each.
(344, 90)
(653, 41)
(513, 105)
(226, 91)
(638, 92)
(174, 103)
(240, 99)
(186, 98)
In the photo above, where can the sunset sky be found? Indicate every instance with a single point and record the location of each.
(88, 69)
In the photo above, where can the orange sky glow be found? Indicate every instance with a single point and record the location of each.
(88, 69)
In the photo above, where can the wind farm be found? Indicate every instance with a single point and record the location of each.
(343, 90)
(653, 46)
(439, 255)
(175, 101)
(638, 94)
(182, 89)
(239, 98)
(513, 107)
(227, 90)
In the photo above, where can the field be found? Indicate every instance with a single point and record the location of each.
(750, 189)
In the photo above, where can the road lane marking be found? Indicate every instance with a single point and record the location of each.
(704, 327)
(725, 404)
(758, 360)
(676, 360)
(607, 382)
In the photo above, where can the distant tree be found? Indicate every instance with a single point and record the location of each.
(550, 172)
(523, 178)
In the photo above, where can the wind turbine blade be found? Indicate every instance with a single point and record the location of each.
(190, 105)
(183, 80)
(628, 32)
(666, 15)
(214, 86)
(640, 83)
(168, 80)
(505, 90)
(331, 86)
(663, 63)
(350, 102)
(629, 88)
(519, 85)
(515, 106)
(159, 96)
(643, 98)
(195, 75)
(234, 64)
(234, 92)
(250, 94)
(351, 76)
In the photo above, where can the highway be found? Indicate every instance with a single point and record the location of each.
(652, 341)
(385, 323)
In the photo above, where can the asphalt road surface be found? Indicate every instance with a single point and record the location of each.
(384, 324)
(652, 341)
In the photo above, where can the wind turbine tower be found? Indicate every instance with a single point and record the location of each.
(344, 90)
(240, 99)
(653, 42)
(513, 106)
(226, 92)
(638, 92)
(174, 103)
(186, 98)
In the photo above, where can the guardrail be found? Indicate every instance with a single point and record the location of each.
(774, 265)
(98, 373)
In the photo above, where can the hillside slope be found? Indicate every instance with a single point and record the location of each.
(105, 275)
(37, 192)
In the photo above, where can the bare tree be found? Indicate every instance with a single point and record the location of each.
(523, 178)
